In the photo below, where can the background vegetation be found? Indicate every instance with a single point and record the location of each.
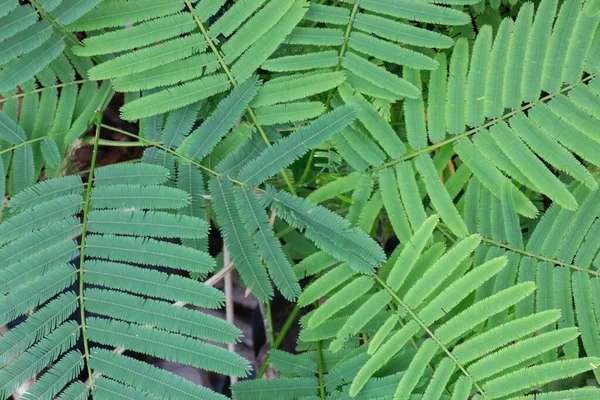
(407, 190)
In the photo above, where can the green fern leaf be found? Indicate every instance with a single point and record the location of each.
(288, 149)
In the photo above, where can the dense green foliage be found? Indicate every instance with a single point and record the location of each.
(309, 133)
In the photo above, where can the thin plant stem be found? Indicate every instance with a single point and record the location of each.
(229, 312)
(277, 342)
(320, 369)
(168, 150)
(540, 257)
(477, 129)
(86, 208)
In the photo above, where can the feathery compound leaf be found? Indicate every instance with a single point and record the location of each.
(149, 57)
(165, 75)
(410, 378)
(175, 97)
(354, 324)
(2, 179)
(414, 113)
(457, 82)
(329, 232)
(322, 59)
(298, 86)
(390, 52)
(501, 335)
(153, 283)
(136, 196)
(411, 252)
(326, 283)
(10, 131)
(388, 350)
(37, 264)
(460, 289)
(160, 314)
(537, 47)
(400, 32)
(202, 140)
(19, 70)
(547, 148)
(268, 43)
(440, 270)
(375, 124)
(475, 96)
(347, 295)
(328, 14)
(292, 364)
(130, 174)
(170, 346)
(388, 186)
(513, 74)
(378, 76)
(482, 310)
(39, 325)
(148, 252)
(155, 381)
(57, 377)
(409, 192)
(146, 223)
(291, 112)
(557, 49)
(46, 190)
(423, 12)
(528, 163)
(436, 109)
(439, 196)
(520, 352)
(265, 389)
(493, 106)
(140, 35)
(490, 177)
(105, 389)
(255, 28)
(257, 223)
(37, 357)
(22, 169)
(122, 13)
(538, 375)
(238, 240)
(290, 148)
(41, 215)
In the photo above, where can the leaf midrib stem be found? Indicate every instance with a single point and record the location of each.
(234, 83)
(86, 207)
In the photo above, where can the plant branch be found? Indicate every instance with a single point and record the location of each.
(234, 83)
(286, 326)
(337, 68)
(86, 208)
(529, 254)
(320, 368)
(431, 334)
(168, 150)
(479, 128)
(229, 312)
